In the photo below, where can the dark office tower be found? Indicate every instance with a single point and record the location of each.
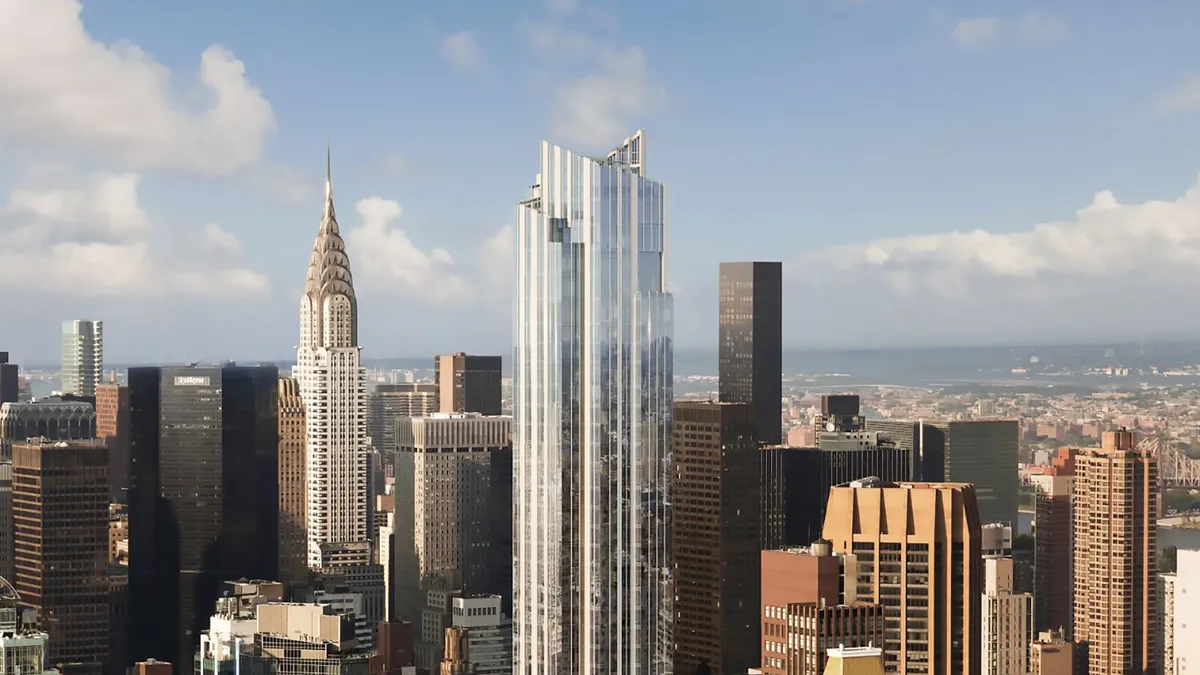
(112, 427)
(60, 516)
(840, 412)
(9, 389)
(799, 480)
(715, 540)
(750, 360)
(984, 453)
(293, 535)
(203, 497)
(468, 383)
(925, 443)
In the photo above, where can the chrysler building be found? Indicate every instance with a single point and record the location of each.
(333, 388)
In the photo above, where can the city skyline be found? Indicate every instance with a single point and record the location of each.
(194, 211)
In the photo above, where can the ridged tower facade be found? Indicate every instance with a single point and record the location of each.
(333, 388)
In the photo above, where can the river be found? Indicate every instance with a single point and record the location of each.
(1180, 537)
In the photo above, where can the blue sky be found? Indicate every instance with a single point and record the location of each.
(930, 173)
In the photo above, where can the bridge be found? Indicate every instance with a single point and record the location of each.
(1175, 468)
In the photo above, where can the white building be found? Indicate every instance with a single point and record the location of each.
(82, 356)
(1166, 622)
(592, 418)
(1186, 611)
(333, 387)
(489, 633)
(1006, 620)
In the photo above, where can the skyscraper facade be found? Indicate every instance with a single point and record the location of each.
(390, 402)
(715, 537)
(112, 427)
(468, 383)
(203, 497)
(333, 387)
(445, 509)
(1006, 620)
(1116, 546)
(60, 523)
(592, 419)
(1053, 556)
(918, 554)
(750, 351)
(293, 538)
(82, 356)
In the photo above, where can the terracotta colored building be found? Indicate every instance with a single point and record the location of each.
(918, 553)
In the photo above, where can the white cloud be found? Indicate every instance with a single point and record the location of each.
(1186, 96)
(384, 256)
(59, 86)
(552, 38)
(95, 241)
(602, 107)
(562, 6)
(1041, 28)
(1111, 259)
(977, 33)
(220, 240)
(461, 49)
(110, 202)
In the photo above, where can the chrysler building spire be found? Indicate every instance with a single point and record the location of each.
(332, 386)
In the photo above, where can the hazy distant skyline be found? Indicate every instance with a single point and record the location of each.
(929, 173)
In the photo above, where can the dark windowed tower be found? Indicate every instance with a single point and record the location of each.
(751, 342)
(203, 497)
(468, 383)
(9, 389)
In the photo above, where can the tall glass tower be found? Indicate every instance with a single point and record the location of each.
(592, 419)
(82, 356)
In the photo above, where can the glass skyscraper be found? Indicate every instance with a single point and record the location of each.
(82, 356)
(592, 419)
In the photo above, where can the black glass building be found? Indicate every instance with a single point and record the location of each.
(8, 380)
(750, 354)
(203, 497)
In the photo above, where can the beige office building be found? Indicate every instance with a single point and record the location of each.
(1116, 514)
(917, 547)
(1050, 654)
(293, 534)
(1007, 617)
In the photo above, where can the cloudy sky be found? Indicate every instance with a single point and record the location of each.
(931, 173)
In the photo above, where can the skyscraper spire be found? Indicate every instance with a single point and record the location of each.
(328, 174)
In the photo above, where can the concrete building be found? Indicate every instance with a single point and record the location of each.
(307, 638)
(233, 624)
(333, 388)
(112, 427)
(806, 608)
(1051, 654)
(854, 661)
(1186, 613)
(82, 356)
(52, 418)
(346, 570)
(489, 633)
(60, 538)
(1007, 617)
(444, 496)
(910, 541)
(456, 657)
(1116, 508)
(750, 347)
(468, 383)
(1053, 556)
(293, 484)
(715, 537)
(391, 402)
(592, 393)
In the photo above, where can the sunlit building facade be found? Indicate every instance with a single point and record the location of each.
(333, 389)
(592, 419)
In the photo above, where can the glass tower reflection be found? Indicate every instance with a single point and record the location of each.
(592, 419)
